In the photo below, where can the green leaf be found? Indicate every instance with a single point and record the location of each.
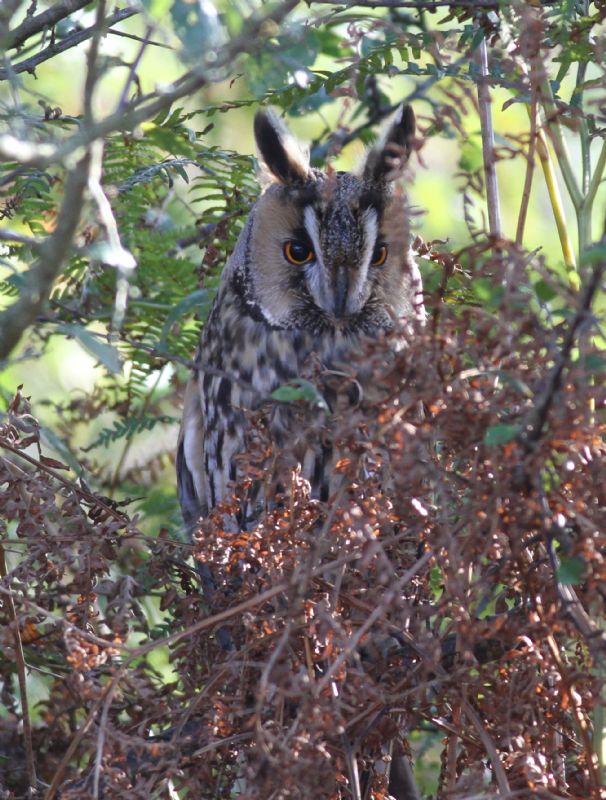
(544, 291)
(594, 363)
(127, 428)
(564, 67)
(501, 434)
(330, 44)
(596, 253)
(198, 298)
(297, 390)
(436, 582)
(113, 254)
(157, 8)
(103, 352)
(516, 382)
(487, 291)
(198, 27)
(570, 571)
(471, 156)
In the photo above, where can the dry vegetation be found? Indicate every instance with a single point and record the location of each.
(433, 590)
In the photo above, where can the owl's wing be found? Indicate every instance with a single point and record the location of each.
(190, 483)
(190, 457)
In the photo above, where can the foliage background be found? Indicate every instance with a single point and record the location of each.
(105, 360)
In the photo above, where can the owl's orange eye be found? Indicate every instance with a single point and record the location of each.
(379, 256)
(297, 252)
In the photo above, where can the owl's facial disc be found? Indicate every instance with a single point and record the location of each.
(346, 249)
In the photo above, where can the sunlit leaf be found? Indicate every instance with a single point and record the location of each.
(300, 390)
(104, 353)
(501, 434)
(570, 571)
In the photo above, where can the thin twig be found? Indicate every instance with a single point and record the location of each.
(33, 25)
(489, 746)
(137, 652)
(130, 440)
(30, 764)
(107, 702)
(490, 173)
(134, 66)
(577, 102)
(596, 178)
(557, 207)
(352, 768)
(561, 149)
(542, 148)
(577, 710)
(537, 419)
(92, 68)
(372, 618)
(451, 751)
(72, 40)
(319, 152)
(532, 146)
(87, 496)
(136, 38)
(63, 623)
(215, 620)
(75, 742)
(12, 236)
(203, 233)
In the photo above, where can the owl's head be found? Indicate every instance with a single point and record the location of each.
(331, 247)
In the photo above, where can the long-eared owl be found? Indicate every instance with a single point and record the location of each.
(323, 262)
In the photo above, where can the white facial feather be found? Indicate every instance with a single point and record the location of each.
(370, 224)
(315, 272)
(312, 226)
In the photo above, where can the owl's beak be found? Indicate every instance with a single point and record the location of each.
(340, 292)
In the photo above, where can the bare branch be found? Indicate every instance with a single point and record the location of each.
(132, 73)
(92, 68)
(74, 487)
(54, 251)
(7, 9)
(20, 664)
(41, 155)
(51, 16)
(136, 38)
(39, 279)
(490, 173)
(74, 39)
(81, 733)
(533, 429)
(489, 746)
(12, 236)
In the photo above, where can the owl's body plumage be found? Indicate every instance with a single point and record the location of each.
(322, 264)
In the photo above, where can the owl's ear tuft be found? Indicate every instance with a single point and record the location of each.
(388, 157)
(281, 156)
